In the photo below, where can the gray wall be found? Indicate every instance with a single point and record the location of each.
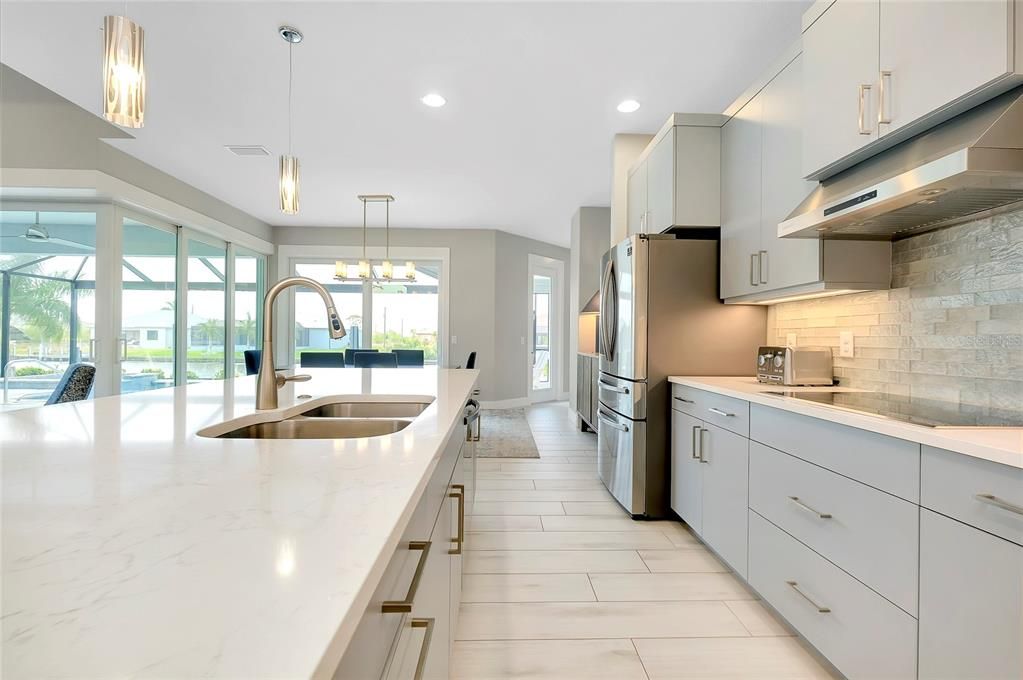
(590, 229)
(487, 300)
(40, 129)
(950, 328)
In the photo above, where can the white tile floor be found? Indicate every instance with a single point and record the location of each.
(560, 584)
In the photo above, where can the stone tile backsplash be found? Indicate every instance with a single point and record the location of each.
(950, 328)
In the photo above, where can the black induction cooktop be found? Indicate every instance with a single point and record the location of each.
(925, 412)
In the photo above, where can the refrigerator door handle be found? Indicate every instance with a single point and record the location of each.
(612, 297)
(603, 309)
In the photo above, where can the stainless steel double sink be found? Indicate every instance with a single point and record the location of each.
(335, 420)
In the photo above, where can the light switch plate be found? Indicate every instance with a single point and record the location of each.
(790, 339)
(845, 344)
(454, 339)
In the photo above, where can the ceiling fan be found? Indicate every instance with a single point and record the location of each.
(38, 233)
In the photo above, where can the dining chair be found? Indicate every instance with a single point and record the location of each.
(376, 360)
(74, 385)
(321, 359)
(252, 357)
(409, 357)
(351, 352)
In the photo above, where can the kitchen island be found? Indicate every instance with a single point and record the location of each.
(132, 546)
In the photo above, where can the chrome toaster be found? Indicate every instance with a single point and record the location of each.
(795, 365)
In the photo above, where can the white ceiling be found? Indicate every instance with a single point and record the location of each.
(531, 87)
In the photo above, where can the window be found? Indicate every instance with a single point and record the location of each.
(311, 318)
(47, 276)
(249, 289)
(382, 315)
(206, 307)
(406, 313)
(148, 305)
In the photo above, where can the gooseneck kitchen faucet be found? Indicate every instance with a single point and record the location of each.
(269, 381)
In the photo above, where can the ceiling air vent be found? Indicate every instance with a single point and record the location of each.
(247, 149)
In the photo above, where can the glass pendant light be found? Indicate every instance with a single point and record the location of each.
(289, 171)
(124, 73)
(410, 270)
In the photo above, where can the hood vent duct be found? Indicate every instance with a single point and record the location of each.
(967, 168)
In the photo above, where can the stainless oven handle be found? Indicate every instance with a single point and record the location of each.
(614, 424)
(611, 387)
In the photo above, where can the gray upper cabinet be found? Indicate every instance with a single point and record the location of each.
(840, 51)
(637, 200)
(881, 71)
(675, 181)
(740, 200)
(761, 184)
(784, 262)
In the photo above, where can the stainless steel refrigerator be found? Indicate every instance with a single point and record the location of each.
(660, 316)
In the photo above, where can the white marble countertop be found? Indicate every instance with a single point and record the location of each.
(997, 444)
(134, 548)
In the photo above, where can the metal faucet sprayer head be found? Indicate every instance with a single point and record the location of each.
(334, 325)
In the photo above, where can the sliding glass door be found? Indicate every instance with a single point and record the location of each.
(148, 305)
(406, 313)
(249, 289)
(206, 329)
(47, 302)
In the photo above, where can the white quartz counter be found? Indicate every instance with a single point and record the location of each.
(1001, 445)
(134, 548)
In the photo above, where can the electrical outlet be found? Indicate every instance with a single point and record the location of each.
(845, 344)
(790, 339)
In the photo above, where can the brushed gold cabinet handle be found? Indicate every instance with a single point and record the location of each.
(424, 651)
(405, 606)
(460, 538)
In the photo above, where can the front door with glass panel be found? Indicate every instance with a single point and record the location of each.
(544, 287)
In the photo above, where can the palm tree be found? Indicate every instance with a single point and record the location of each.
(42, 308)
(245, 331)
(210, 328)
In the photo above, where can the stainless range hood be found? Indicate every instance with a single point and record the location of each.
(964, 169)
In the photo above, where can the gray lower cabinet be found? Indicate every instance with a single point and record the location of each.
(860, 632)
(408, 628)
(725, 461)
(686, 475)
(971, 599)
(709, 478)
(895, 561)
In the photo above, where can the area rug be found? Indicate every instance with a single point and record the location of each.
(505, 433)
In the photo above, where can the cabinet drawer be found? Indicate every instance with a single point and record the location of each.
(861, 522)
(886, 463)
(980, 493)
(971, 595)
(727, 412)
(860, 632)
(375, 639)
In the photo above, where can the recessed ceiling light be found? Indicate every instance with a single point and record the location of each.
(628, 106)
(434, 100)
